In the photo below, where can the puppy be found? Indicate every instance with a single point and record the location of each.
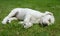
(29, 17)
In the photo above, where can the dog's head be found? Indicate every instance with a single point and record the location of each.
(47, 19)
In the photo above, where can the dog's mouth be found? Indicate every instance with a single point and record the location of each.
(44, 24)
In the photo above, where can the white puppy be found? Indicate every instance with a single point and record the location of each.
(29, 17)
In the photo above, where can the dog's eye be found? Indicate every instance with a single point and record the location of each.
(49, 20)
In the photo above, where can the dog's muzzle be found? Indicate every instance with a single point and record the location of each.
(44, 24)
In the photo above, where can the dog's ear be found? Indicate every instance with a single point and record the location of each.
(48, 13)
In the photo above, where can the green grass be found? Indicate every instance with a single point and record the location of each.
(15, 29)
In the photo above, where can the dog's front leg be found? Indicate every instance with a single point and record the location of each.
(27, 22)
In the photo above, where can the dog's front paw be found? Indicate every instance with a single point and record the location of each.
(27, 25)
(21, 22)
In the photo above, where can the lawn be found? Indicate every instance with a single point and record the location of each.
(15, 29)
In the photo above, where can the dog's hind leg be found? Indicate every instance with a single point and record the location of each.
(11, 14)
(13, 18)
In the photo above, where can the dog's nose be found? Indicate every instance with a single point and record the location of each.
(44, 24)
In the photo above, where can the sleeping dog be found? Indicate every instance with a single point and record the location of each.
(29, 17)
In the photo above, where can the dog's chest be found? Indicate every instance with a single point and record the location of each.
(35, 19)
